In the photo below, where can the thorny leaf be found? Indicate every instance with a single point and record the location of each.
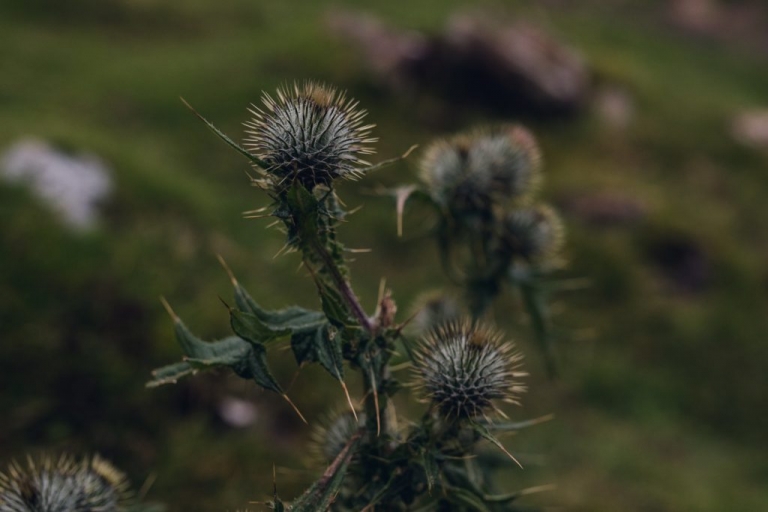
(246, 359)
(312, 338)
(223, 136)
(483, 431)
(517, 425)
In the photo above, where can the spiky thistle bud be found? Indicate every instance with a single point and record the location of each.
(470, 172)
(462, 368)
(310, 133)
(330, 436)
(535, 234)
(63, 485)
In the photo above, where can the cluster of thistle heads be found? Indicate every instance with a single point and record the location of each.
(63, 484)
(485, 182)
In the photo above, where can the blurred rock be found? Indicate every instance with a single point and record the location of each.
(615, 107)
(751, 128)
(237, 413)
(389, 53)
(474, 60)
(73, 186)
(681, 261)
(605, 209)
(696, 15)
(744, 22)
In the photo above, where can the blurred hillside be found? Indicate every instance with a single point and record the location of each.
(662, 402)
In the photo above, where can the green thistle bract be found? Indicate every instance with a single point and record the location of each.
(310, 133)
(63, 485)
(536, 234)
(462, 368)
(469, 173)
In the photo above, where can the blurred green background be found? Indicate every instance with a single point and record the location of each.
(662, 400)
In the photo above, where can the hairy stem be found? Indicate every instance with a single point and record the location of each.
(344, 288)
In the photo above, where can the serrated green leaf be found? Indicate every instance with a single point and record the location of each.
(259, 325)
(293, 317)
(253, 329)
(246, 359)
(329, 353)
(319, 346)
(322, 493)
(170, 374)
(225, 352)
(304, 346)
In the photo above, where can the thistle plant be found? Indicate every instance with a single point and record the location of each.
(300, 143)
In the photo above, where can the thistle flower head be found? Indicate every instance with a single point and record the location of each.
(63, 485)
(462, 368)
(536, 234)
(470, 172)
(333, 434)
(309, 133)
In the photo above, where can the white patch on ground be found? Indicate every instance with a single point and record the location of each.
(73, 186)
(237, 413)
(751, 128)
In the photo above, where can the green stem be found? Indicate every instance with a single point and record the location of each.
(344, 288)
(537, 310)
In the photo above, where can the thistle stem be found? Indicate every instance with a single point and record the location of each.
(344, 288)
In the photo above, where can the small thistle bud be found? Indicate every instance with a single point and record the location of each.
(63, 485)
(310, 133)
(462, 368)
(333, 434)
(470, 172)
(536, 234)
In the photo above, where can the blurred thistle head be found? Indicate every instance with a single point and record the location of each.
(535, 234)
(63, 485)
(331, 435)
(432, 309)
(470, 172)
(309, 133)
(462, 368)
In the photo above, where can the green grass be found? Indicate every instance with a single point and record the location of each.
(661, 402)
